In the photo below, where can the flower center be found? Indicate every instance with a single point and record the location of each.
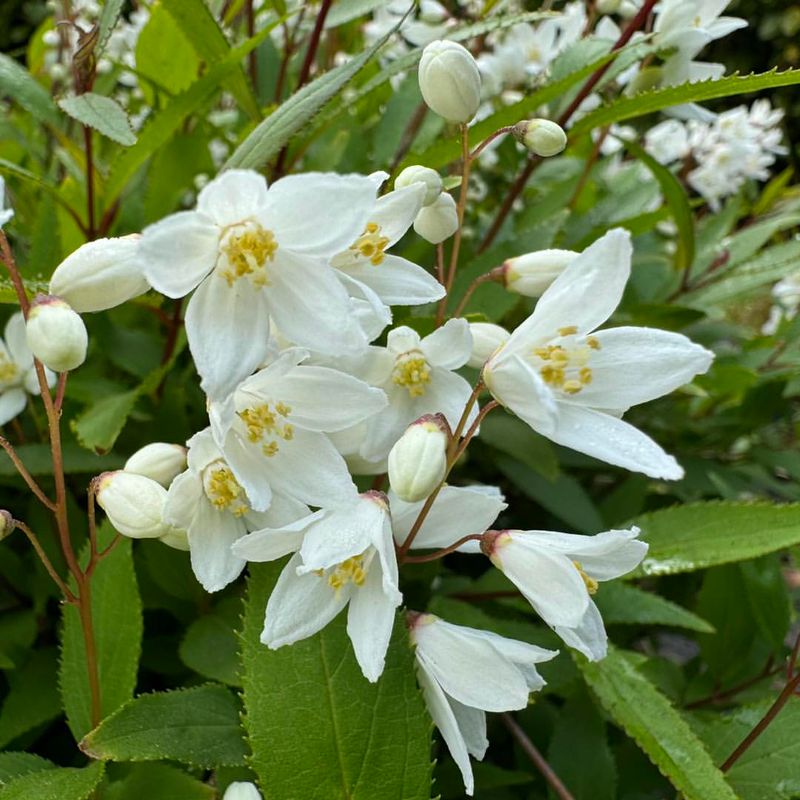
(564, 365)
(412, 371)
(246, 249)
(591, 584)
(266, 424)
(8, 369)
(223, 490)
(350, 571)
(371, 244)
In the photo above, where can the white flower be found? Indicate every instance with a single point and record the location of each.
(272, 430)
(210, 505)
(344, 556)
(56, 335)
(572, 384)
(254, 253)
(668, 141)
(101, 274)
(465, 672)
(558, 572)
(486, 338)
(17, 374)
(690, 25)
(241, 790)
(5, 213)
(417, 376)
(395, 280)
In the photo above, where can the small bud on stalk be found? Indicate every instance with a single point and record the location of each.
(532, 273)
(450, 81)
(241, 790)
(418, 460)
(134, 504)
(541, 136)
(7, 524)
(417, 174)
(438, 221)
(159, 461)
(56, 334)
(608, 6)
(486, 338)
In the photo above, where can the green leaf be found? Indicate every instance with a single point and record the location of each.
(209, 42)
(15, 765)
(18, 84)
(158, 782)
(317, 728)
(699, 535)
(621, 604)
(101, 113)
(117, 622)
(62, 783)
(649, 718)
(770, 768)
(647, 102)
(269, 138)
(108, 20)
(38, 458)
(32, 698)
(98, 427)
(211, 646)
(198, 726)
(513, 437)
(678, 203)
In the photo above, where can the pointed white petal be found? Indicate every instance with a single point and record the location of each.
(397, 281)
(247, 465)
(233, 196)
(449, 346)
(210, 538)
(588, 637)
(184, 498)
(395, 211)
(17, 342)
(12, 403)
(472, 725)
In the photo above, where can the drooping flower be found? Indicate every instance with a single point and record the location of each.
(272, 430)
(5, 213)
(572, 383)
(558, 572)
(342, 557)
(465, 672)
(209, 504)
(253, 254)
(17, 374)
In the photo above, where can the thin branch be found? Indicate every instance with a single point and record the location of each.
(409, 134)
(48, 565)
(443, 552)
(536, 757)
(26, 476)
(91, 230)
(482, 414)
(466, 163)
(313, 44)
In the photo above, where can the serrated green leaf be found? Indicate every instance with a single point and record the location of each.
(98, 427)
(317, 728)
(61, 783)
(647, 102)
(770, 768)
(15, 765)
(104, 114)
(108, 20)
(18, 84)
(158, 782)
(210, 44)
(117, 622)
(678, 203)
(197, 726)
(29, 177)
(649, 718)
(38, 459)
(621, 604)
(699, 535)
(211, 646)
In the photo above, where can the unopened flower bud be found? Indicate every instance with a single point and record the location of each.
(532, 273)
(418, 460)
(56, 334)
(486, 338)
(438, 221)
(241, 790)
(417, 174)
(450, 81)
(158, 461)
(541, 136)
(608, 6)
(6, 524)
(134, 504)
(101, 274)
(432, 12)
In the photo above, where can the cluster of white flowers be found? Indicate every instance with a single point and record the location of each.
(735, 146)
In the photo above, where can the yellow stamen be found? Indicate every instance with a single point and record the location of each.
(371, 244)
(412, 371)
(224, 491)
(247, 251)
(568, 330)
(265, 424)
(8, 369)
(349, 571)
(591, 584)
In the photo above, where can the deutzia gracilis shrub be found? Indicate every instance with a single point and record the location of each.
(399, 401)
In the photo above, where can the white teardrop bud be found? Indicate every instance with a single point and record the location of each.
(608, 6)
(438, 221)
(541, 136)
(7, 524)
(101, 274)
(134, 504)
(418, 460)
(532, 273)
(486, 338)
(450, 81)
(56, 334)
(158, 461)
(241, 790)
(418, 174)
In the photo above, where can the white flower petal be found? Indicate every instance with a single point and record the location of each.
(613, 441)
(184, 498)
(228, 332)
(247, 465)
(210, 538)
(397, 281)
(588, 637)
(12, 403)
(472, 726)
(449, 346)
(270, 544)
(179, 251)
(233, 196)
(395, 211)
(17, 342)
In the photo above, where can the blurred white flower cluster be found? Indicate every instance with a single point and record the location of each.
(735, 146)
